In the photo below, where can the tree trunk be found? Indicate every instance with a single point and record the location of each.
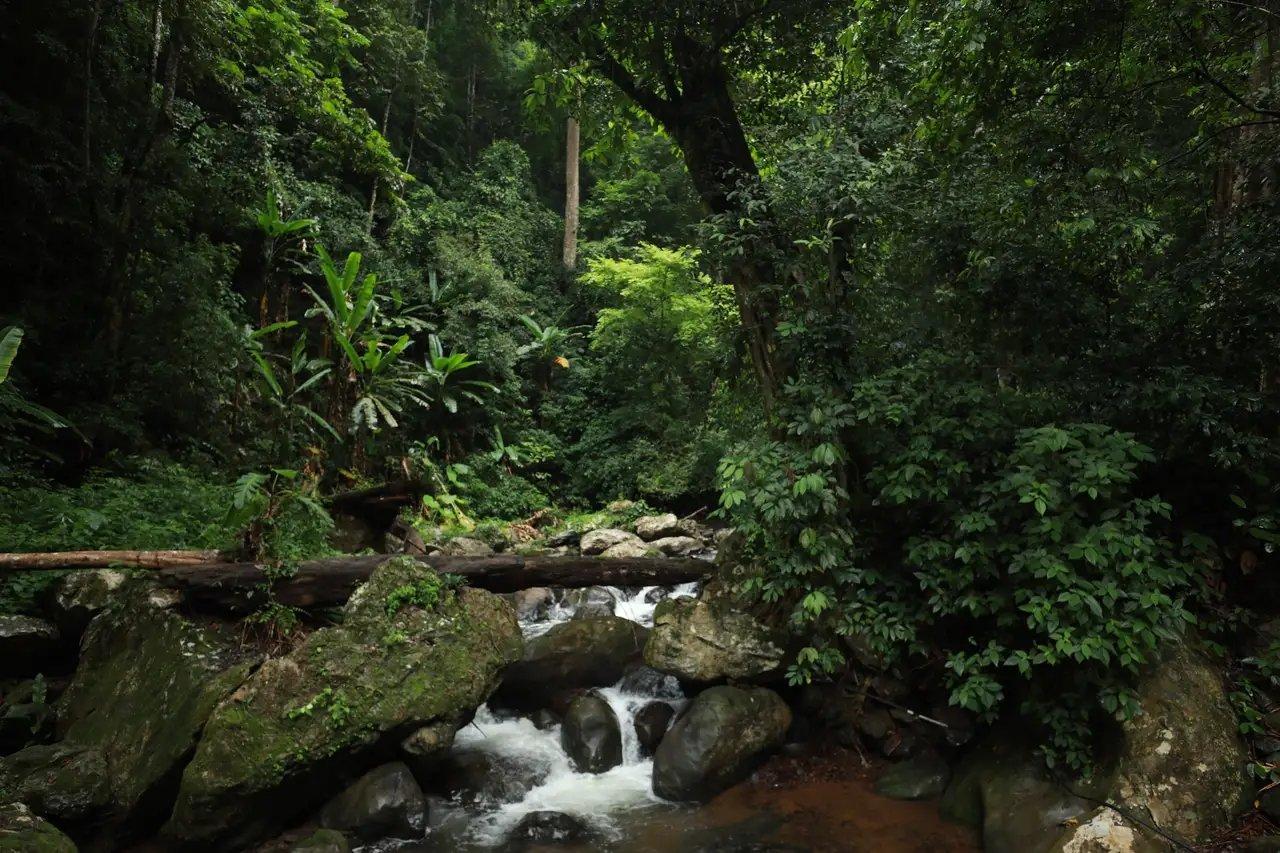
(10, 563)
(571, 194)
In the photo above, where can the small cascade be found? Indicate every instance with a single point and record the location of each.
(598, 799)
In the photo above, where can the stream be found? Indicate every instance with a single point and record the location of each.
(797, 811)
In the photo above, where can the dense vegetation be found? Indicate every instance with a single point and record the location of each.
(966, 312)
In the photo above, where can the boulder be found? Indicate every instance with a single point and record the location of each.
(81, 595)
(465, 546)
(708, 639)
(386, 802)
(590, 735)
(627, 550)
(647, 681)
(408, 653)
(651, 723)
(677, 546)
(1181, 760)
(921, 778)
(322, 841)
(147, 682)
(544, 719)
(424, 749)
(591, 600)
(26, 715)
(532, 603)
(597, 541)
(27, 645)
(718, 740)
(1003, 787)
(23, 832)
(481, 777)
(547, 827)
(651, 527)
(578, 653)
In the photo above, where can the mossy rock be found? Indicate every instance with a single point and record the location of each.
(147, 682)
(710, 639)
(23, 832)
(408, 654)
(590, 652)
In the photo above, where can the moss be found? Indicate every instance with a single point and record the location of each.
(23, 832)
(342, 695)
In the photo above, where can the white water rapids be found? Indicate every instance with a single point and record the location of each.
(598, 799)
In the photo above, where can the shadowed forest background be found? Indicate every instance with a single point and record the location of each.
(965, 314)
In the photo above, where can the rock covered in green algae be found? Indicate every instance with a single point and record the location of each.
(146, 683)
(407, 654)
(23, 832)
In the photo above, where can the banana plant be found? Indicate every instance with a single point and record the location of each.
(550, 343)
(442, 385)
(350, 304)
(288, 397)
(17, 413)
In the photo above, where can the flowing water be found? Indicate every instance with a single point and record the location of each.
(799, 813)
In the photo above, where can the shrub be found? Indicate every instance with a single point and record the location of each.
(1025, 557)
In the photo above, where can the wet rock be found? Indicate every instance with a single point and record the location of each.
(543, 719)
(1003, 787)
(479, 777)
(579, 598)
(465, 546)
(647, 681)
(651, 527)
(548, 827)
(876, 724)
(717, 741)
(579, 653)
(23, 832)
(532, 603)
(386, 802)
(651, 723)
(677, 546)
(322, 841)
(625, 550)
(597, 541)
(147, 682)
(658, 593)
(708, 639)
(81, 595)
(425, 748)
(342, 698)
(590, 735)
(27, 645)
(1181, 760)
(920, 778)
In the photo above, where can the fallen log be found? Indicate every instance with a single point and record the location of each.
(104, 559)
(329, 582)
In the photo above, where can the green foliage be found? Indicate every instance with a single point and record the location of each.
(427, 593)
(1028, 558)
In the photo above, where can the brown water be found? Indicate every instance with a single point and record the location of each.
(795, 804)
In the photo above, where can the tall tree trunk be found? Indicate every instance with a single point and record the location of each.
(571, 193)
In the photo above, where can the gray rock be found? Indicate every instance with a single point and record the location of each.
(590, 735)
(532, 603)
(677, 546)
(628, 550)
(478, 777)
(578, 653)
(81, 595)
(386, 802)
(647, 681)
(920, 778)
(544, 719)
(651, 723)
(322, 841)
(568, 539)
(27, 645)
(717, 741)
(465, 546)
(650, 527)
(597, 541)
(23, 832)
(1182, 760)
(709, 639)
(548, 827)
(426, 748)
